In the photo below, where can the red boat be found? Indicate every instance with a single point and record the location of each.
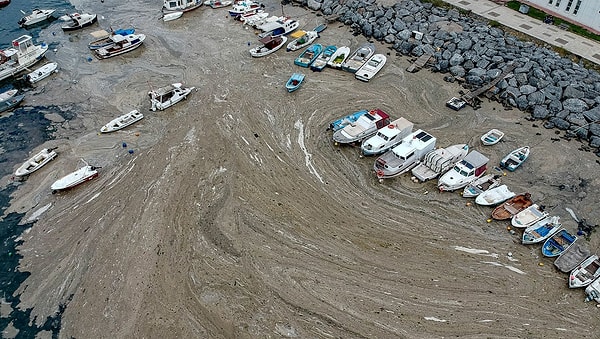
(4, 3)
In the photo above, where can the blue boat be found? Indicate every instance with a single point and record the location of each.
(515, 158)
(11, 103)
(342, 122)
(294, 82)
(558, 243)
(323, 58)
(310, 54)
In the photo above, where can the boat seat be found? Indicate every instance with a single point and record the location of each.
(535, 234)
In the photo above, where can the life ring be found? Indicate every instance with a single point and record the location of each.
(373, 112)
(379, 173)
(391, 126)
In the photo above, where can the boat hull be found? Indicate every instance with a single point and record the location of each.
(36, 162)
(78, 26)
(76, 178)
(41, 73)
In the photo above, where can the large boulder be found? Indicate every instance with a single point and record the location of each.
(559, 123)
(456, 59)
(575, 105)
(539, 111)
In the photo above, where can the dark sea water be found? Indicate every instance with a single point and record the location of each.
(19, 134)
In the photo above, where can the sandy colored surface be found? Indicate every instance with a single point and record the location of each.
(237, 217)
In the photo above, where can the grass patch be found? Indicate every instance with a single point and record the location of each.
(541, 15)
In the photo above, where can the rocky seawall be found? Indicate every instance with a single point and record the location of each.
(553, 89)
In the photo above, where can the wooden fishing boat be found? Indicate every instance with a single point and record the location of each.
(121, 45)
(321, 61)
(370, 68)
(294, 82)
(494, 196)
(73, 179)
(492, 137)
(41, 73)
(122, 121)
(36, 162)
(359, 57)
(268, 45)
(585, 273)
(528, 216)
(541, 230)
(309, 55)
(79, 21)
(558, 243)
(480, 185)
(515, 158)
(338, 58)
(512, 206)
(301, 40)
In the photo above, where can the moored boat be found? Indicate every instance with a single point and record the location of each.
(8, 94)
(11, 103)
(181, 5)
(494, 196)
(541, 230)
(165, 97)
(170, 16)
(245, 7)
(558, 243)
(480, 185)
(364, 127)
(465, 171)
(79, 21)
(218, 3)
(358, 58)
(592, 291)
(492, 137)
(41, 73)
(36, 162)
(4, 3)
(346, 120)
(321, 61)
(122, 121)
(387, 138)
(36, 16)
(301, 40)
(104, 38)
(512, 206)
(571, 257)
(339, 57)
(515, 158)
(404, 156)
(268, 45)
(528, 216)
(282, 26)
(438, 161)
(85, 173)
(294, 82)
(122, 44)
(309, 55)
(370, 68)
(21, 55)
(585, 273)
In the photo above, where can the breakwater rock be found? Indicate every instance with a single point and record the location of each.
(564, 94)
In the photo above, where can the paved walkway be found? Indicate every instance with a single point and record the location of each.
(578, 45)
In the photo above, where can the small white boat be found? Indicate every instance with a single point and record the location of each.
(245, 7)
(492, 137)
(122, 44)
(79, 21)
(250, 18)
(86, 173)
(592, 292)
(439, 161)
(464, 172)
(367, 71)
(268, 45)
(364, 127)
(181, 5)
(478, 186)
(36, 162)
(541, 230)
(323, 58)
(494, 196)
(301, 40)
(104, 38)
(8, 94)
(279, 27)
(217, 3)
(338, 58)
(515, 158)
(387, 138)
(405, 156)
(42, 72)
(170, 16)
(22, 54)
(36, 16)
(359, 57)
(585, 273)
(528, 216)
(165, 97)
(122, 121)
